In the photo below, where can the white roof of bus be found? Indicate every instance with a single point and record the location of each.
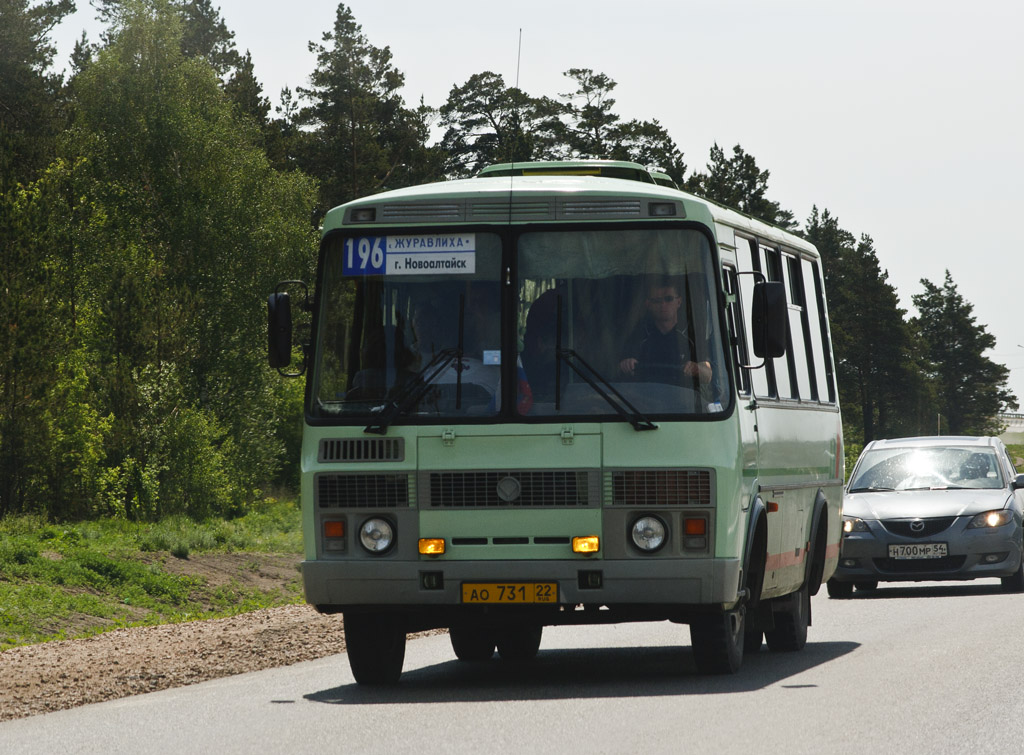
(548, 184)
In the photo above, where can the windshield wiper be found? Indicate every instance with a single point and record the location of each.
(594, 379)
(598, 382)
(413, 391)
(871, 489)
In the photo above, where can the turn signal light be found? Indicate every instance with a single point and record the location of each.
(334, 529)
(586, 544)
(695, 526)
(431, 546)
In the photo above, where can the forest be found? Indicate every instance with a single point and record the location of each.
(152, 197)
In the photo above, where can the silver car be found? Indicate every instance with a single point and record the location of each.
(931, 509)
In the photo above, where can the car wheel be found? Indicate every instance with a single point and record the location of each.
(376, 647)
(790, 632)
(519, 642)
(839, 589)
(717, 641)
(866, 586)
(472, 643)
(1015, 582)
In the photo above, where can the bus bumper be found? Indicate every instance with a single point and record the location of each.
(333, 586)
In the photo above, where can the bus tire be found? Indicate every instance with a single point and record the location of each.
(791, 621)
(717, 641)
(519, 642)
(375, 644)
(839, 590)
(472, 643)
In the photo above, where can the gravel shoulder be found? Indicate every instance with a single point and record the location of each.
(56, 675)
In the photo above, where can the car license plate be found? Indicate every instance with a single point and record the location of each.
(918, 550)
(510, 592)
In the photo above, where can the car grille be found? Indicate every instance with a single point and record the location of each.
(919, 565)
(931, 527)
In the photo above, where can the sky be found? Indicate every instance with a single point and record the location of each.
(902, 118)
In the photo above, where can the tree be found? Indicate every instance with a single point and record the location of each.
(488, 122)
(362, 137)
(140, 260)
(971, 388)
(595, 131)
(737, 182)
(878, 374)
(29, 94)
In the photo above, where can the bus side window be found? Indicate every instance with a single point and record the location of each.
(762, 380)
(799, 342)
(737, 336)
(785, 380)
(819, 329)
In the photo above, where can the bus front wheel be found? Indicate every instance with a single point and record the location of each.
(375, 644)
(472, 643)
(519, 642)
(717, 641)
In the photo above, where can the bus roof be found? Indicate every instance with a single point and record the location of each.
(604, 168)
(550, 191)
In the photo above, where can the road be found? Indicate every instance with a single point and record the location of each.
(925, 668)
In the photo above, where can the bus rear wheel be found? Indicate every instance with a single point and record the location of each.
(791, 621)
(375, 644)
(472, 643)
(519, 642)
(717, 641)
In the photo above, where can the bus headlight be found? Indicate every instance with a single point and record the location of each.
(377, 535)
(648, 533)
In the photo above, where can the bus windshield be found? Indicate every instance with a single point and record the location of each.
(600, 317)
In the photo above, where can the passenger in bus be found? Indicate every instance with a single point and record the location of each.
(659, 350)
(539, 339)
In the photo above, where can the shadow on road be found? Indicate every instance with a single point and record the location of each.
(585, 673)
(902, 590)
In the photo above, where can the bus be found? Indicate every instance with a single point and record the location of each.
(562, 394)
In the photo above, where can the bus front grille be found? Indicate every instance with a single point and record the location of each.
(511, 488)
(661, 487)
(362, 491)
(361, 449)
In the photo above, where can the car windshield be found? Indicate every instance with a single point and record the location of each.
(910, 468)
(610, 323)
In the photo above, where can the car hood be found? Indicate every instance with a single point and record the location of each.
(923, 504)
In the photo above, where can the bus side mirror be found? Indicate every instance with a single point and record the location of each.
(768, 320)
(279, 330)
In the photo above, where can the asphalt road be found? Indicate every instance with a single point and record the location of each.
(926, 668)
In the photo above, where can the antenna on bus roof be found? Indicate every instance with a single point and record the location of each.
(512, 148)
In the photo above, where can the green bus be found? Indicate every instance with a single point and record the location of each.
(558, 394)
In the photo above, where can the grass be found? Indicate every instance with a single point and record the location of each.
(59, 581)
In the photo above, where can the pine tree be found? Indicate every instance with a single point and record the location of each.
(972, 389)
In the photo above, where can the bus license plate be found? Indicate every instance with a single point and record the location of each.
(510, 592)
(905, 551)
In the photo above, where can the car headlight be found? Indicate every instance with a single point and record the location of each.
(854, 524)
(377, 535)
(991, 519)
(648, 533)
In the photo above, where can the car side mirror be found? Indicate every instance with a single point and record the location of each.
(1018, 482)
(768, 319)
